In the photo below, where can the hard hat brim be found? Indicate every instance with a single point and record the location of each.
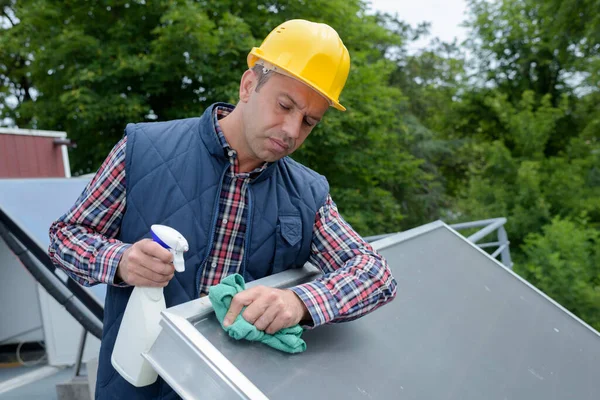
(256, 54)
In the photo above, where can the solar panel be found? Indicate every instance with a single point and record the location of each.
(27, 209)
(35, 203)
(462, 327)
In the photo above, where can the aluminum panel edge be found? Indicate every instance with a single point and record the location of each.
(406, 235)
(199, 308)
(181, 347)
(179, 340)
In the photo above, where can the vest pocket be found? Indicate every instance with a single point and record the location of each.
(288, 241)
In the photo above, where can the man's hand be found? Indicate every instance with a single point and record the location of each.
(268, 309)
(146, 263)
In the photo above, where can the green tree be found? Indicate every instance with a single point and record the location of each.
(91, 67)
(430, 80)
(530, 121)
(563, 262)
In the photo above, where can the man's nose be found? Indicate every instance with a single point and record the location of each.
(293, 125)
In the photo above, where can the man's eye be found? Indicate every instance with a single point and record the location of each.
(306, 122)
(284, 106)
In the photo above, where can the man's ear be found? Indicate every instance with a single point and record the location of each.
(247, 85)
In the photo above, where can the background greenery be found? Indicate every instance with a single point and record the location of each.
(505, 124)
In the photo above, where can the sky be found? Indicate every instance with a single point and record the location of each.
(445, 16)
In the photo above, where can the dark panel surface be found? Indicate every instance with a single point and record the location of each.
(33, 204)
(461, 327)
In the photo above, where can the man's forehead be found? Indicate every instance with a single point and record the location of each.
(293, 89)
(315, 115)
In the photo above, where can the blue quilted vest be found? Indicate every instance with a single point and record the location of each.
(174, 172)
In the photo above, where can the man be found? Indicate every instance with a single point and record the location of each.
(223, 180)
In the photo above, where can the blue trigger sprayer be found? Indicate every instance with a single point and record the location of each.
(140, 325)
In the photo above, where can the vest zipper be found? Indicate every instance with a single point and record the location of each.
(209, 245)
(248, 231)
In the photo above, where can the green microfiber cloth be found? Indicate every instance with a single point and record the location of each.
(287, 339)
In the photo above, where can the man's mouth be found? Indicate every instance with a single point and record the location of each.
(279, 144)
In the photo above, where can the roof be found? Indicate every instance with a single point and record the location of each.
(33, 132)
(26, 153)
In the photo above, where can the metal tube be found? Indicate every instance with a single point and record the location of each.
(80, 352)
(498, 250)
(491, 244)
(505, 252)
(475, 224)
(487, 230)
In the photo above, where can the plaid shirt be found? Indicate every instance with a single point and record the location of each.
(356, 279)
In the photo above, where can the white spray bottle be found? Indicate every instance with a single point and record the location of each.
(140, 325)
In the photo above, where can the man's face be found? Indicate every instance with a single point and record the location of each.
(279, 117)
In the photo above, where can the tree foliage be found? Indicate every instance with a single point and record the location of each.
(94, 66)
(530, 121)
(566, 251)
(505, 124)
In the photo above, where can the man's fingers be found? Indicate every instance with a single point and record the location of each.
(139, 261)
(157, 266)
(139, 280)
(266, 319)
(146, 263)
(238, 302)
(283, 319)
(153, 249)
(255, 310)
(269, 310)
(153, 276)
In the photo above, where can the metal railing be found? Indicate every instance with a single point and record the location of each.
(488, 226)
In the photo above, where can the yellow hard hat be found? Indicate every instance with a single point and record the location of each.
(310, 52)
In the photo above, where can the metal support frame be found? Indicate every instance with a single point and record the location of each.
(488, 226)
(80, 352)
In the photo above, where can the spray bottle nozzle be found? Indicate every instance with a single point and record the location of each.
(173, 241)
(178, 261)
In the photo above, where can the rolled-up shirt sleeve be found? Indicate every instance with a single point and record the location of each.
(356, 279)
(83, 241)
